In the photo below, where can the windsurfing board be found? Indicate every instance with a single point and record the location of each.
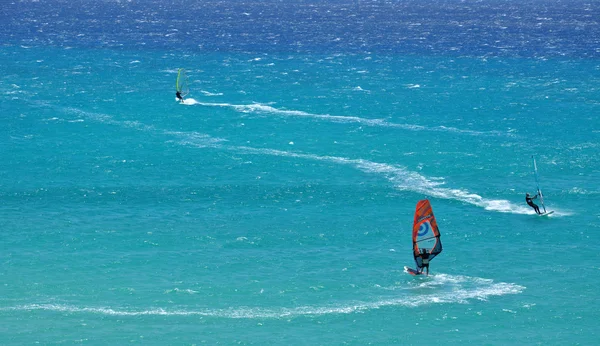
(547, 213)
(411, 271)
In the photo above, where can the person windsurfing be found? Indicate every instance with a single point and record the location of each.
(182, 88)
(424, 255)
(529, 201)
(425, 238)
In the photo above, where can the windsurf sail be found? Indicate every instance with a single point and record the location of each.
(182, 83)
(537, 183)
(425, 233)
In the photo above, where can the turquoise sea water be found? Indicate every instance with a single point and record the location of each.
(275, 206)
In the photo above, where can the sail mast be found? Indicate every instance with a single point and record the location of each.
(537, 183)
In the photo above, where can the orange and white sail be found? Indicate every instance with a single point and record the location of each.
(425, 234)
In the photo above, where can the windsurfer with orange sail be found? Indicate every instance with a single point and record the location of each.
(425, 237)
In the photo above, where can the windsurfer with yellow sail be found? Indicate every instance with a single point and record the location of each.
(181, 85)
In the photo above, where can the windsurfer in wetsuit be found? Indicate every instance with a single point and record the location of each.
(179, 97)
(529, 201)
(424, 260)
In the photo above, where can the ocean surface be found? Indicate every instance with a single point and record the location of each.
(275, 206)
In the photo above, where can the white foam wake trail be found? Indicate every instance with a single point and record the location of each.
(445, 289)
(402, 178)
(187, 137)
(261, 108)
(188, 102)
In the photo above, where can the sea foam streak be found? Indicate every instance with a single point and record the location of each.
(402, 178)
(442, 289)
(266, 109)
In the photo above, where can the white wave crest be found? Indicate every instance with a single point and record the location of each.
(208, 93)
(441, 289)
(178, 290)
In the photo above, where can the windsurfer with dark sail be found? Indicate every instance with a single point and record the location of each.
(539, 194)
(529, 201)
